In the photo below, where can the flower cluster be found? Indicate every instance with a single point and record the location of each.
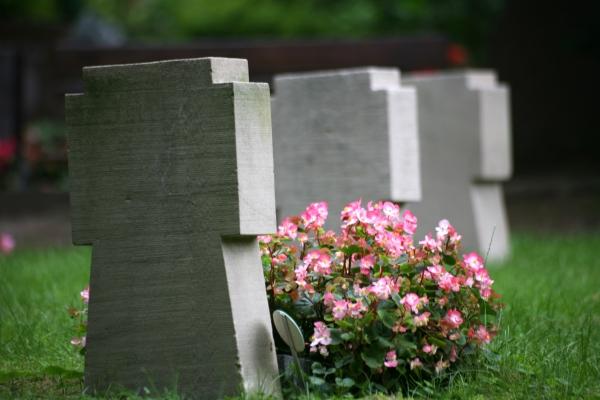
(79, 315)
(376, 306)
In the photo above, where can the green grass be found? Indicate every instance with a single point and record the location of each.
(549, 346)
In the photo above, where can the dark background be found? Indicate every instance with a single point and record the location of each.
(549, 54)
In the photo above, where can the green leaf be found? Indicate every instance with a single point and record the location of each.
(402, 343)
(347, 359)
(385, 342)
(449, 260)
(438, 342)
(373, 356)
(315, 380)
(349, 250)
(346, 336)
(388, 317)
(346, 382)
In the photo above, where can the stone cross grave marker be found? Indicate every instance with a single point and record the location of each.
(466, 153)
(343, 135)
(171, 180)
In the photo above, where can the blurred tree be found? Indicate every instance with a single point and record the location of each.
(469, 22)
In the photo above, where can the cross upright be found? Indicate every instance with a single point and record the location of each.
(171, 174)
(344, 134)
(464, 122)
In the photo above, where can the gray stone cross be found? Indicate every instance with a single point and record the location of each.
(171, 180)
(464, 123)
(342, 135)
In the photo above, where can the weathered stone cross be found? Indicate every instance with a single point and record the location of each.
(171, 180)
(342, 135)
(466, 151)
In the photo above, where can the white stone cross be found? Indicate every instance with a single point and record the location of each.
(171, 180)
(342, 135)
(464, 123)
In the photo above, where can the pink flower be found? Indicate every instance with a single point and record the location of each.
(391, 211)
(481, 335)
(287, 229)
(399, 328)
(320, 260)
(320, 338)
(449, 282)
(85, 294)
(415, 363)
(422, 319)
(366, 264)
(360, 291)
(412, 302)
(328, 299)
(302, 237)
(453, 319)
(340, 308)
(315, 215)
(384, 288)
(453, 354)
(442, 229)
(473, 262)
(279, 259)
(355, 310)
(353, 213)
(430, 244)
(434, 272)
(301, 275)
(390, 359)
(78, 342)
(410, 222)
(266, 239)
(7, 243)
(441, 365)
(430, 348)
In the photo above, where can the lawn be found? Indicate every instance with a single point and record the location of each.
(549, 346)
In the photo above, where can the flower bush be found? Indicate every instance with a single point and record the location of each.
(377, 309)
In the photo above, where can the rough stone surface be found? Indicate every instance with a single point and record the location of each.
(342, 135)
(464, 123)
(171, 180)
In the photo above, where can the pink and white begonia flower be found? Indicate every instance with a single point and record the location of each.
(422, 319)
(409, 222)
(384, 287)
(79, 341)
(328, 299)
(315, 215)
(321, 336)
(429, 348)
(473, 262)
(356, 310)
(412, 302)
(366, 264)
(431, 244)
(480, 335)
(85, 295)
(391, 360)
(448, 282)
(340, 308)
(415, 363)
(319, 260)
(266, 239)
(301, 274)
(453, 319)
(288, 229)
